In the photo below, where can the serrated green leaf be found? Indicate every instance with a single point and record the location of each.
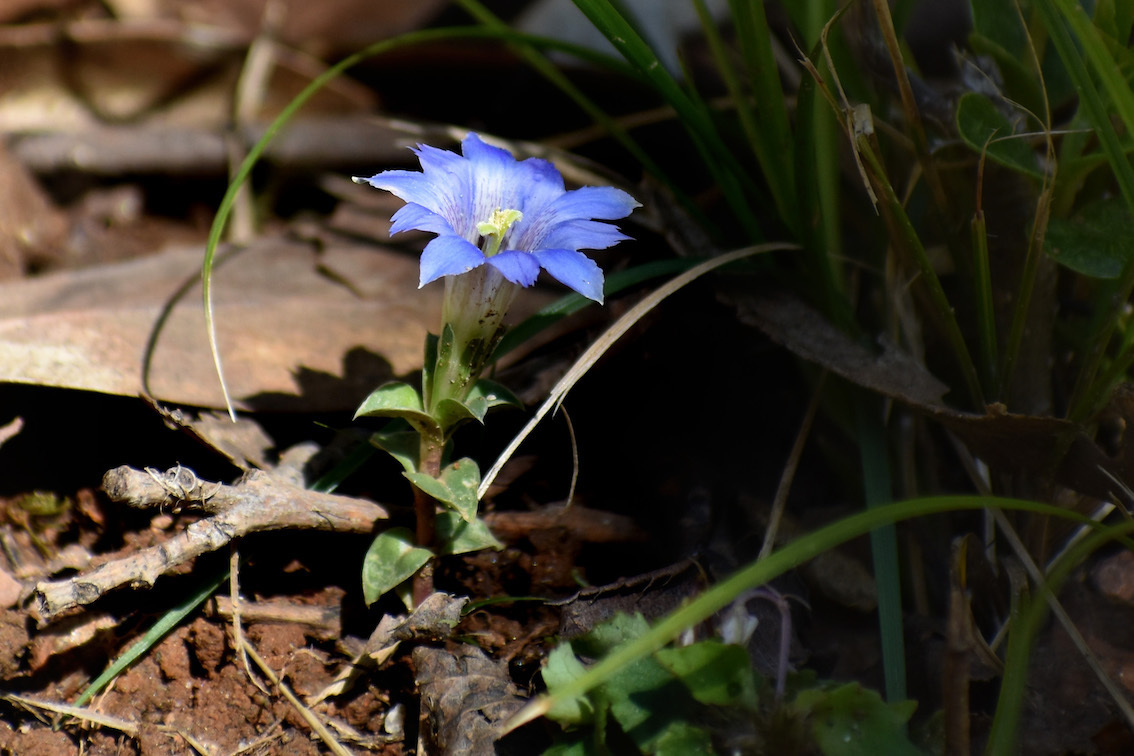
(391, 560)
(561, 667)
(715, 673)
(404, 446)
(682, 738)
(620, 628)
(1097, 242)
(986, 130)
(455, 488)
(397, 399)
(851, 720)
(458, 536)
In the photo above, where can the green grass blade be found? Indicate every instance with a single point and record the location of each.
(903, 234)
(877, 490)
(760, 572)
(717, 156)
(1061, 19)
(153, 636)
(1025, 628)
(773, 140)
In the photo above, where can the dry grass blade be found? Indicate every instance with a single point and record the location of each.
(313, 721)
(1038, 576)
(613, 334)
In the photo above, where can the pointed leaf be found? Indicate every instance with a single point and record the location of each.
(391, 560)
(494, 394)
(398, 399)
(451, 413)
(457, 536)
(455, 488)
(404, 446)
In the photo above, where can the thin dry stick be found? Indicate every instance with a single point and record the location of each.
(790, 466)
(308, 716)
(587, 360)
(237, 626)
(85, 714)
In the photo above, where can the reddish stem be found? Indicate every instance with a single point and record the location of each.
(425, 512)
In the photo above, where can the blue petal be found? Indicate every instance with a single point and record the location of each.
(581, 204)
(573, 269)
(411, 186)
(583, 234)
(414, 217)
(602, 202)
(518, 267)
(444, 186)
(448, 256)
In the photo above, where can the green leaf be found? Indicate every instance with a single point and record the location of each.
(715, 673)
(493, 394)
(458, 536)
(483, 396)
(451, 413)
(455, 487)
(854, 721)
(1097, 242)
(398, 399)
(986, 130)
(615, 631)
(561, 667)
(681, 738)
(404, 446)
(391, 559)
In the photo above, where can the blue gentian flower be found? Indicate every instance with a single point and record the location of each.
(488, 209)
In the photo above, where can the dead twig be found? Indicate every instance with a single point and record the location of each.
(256, 503)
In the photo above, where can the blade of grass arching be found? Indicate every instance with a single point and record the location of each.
(1088, 392)
(572, 303)
(903, 234)
(153, 636)
(759, 573)
(545, 318)
(241, 175)
(587, 360)
(698, 122)
(877, 490)
(771, 162)
(1025, 627)
(773, 136)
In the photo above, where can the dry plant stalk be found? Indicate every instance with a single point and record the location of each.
(254, 504)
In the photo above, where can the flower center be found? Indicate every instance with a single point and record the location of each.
(496, 228)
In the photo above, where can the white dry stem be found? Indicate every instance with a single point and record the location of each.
(613, 334)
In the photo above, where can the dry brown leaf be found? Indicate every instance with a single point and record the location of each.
(1045, 448)
(466, 696)
(291, 337)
